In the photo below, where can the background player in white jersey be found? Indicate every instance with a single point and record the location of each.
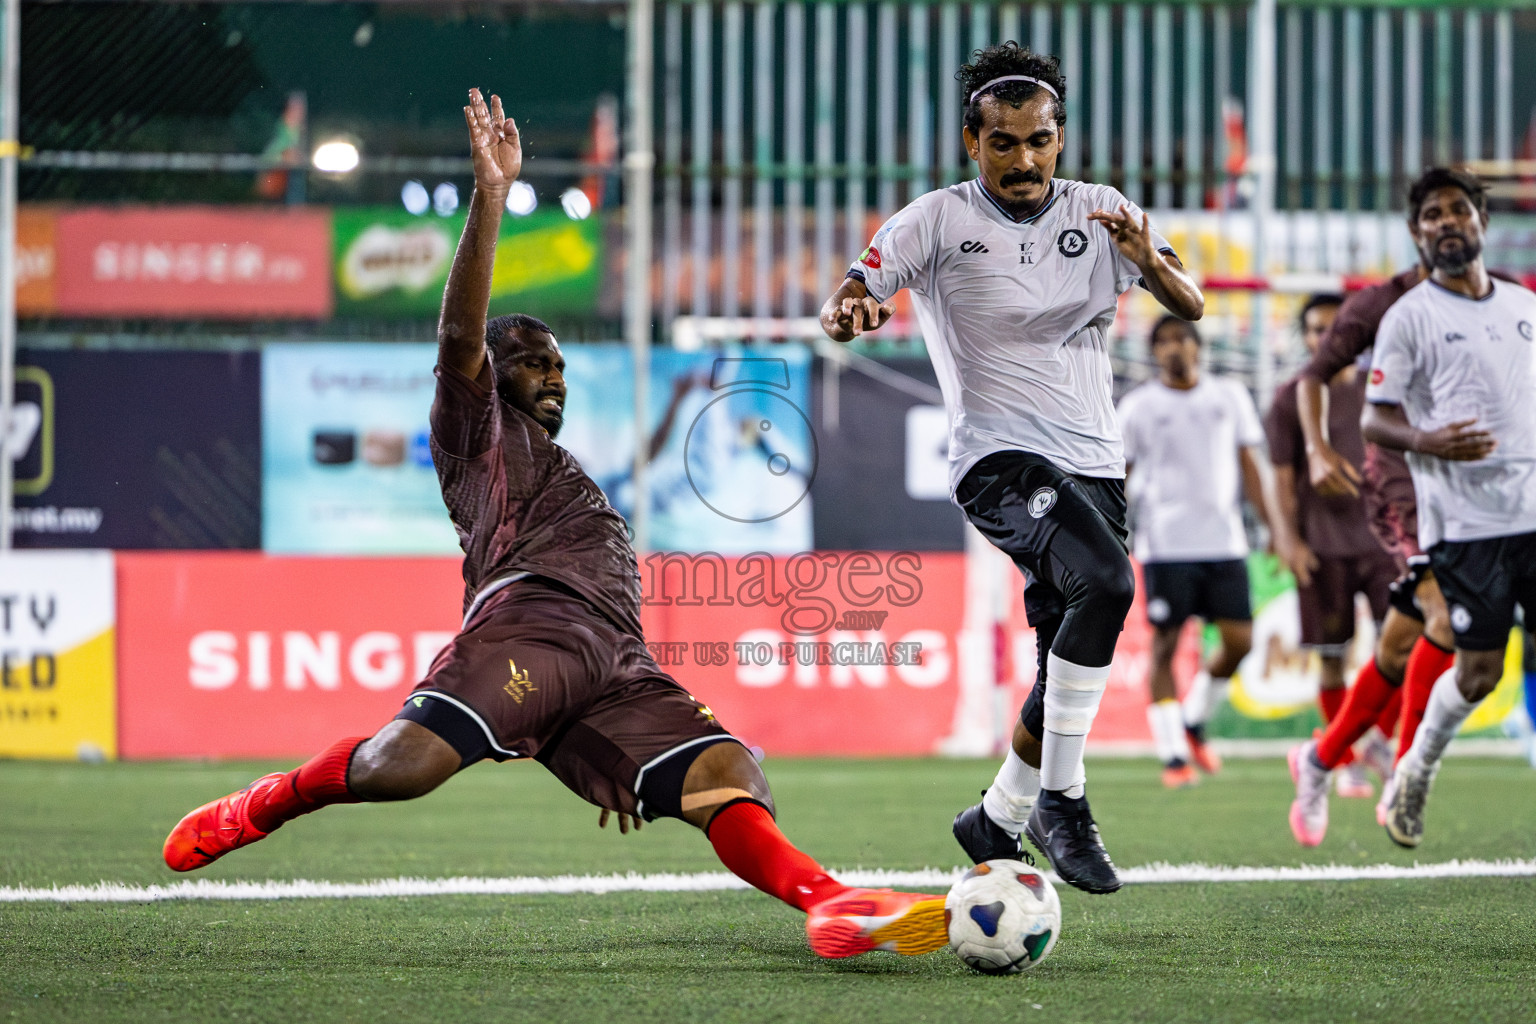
(1014, 277)
(1192, 444)
(1453, 384)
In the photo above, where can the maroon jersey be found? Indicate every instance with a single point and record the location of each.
(521, 503)
(1332, 527)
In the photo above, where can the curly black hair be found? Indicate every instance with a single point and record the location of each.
(502, 333)
(1446, 177)
(1318, 301)
(1184, 325)
(1009, 59)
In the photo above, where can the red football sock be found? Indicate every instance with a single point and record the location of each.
(1366, 698)
(749, 843)
(312, 785)
(1426, 664)
(1329, 702)
(1387, 721)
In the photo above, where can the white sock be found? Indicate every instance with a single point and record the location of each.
(1446, 711)
(1011, 797)
(1072, 695)
(1206, 692)
(1168, 738)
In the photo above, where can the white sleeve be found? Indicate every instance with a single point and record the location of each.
(901, 252)
(1392, 360)
(1127, 273)
(1250, 431)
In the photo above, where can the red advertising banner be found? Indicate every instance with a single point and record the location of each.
(242, 655)
(825, 653)
(168, 262)
(36, 261)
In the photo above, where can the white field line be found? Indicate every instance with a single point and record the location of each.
(927, 878)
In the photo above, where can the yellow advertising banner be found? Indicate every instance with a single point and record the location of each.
(58, 655)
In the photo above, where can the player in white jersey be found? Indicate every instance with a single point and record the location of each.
(1014, 277)
(1453, 384)
(1191, 444)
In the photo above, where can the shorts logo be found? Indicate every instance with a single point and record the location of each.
(1525, 329)
(1042, 501)
(1461, 619)
(871, 258)
(519, 686)
(418, 701)
(1072, 243)
(1377, 376)
(1158, 610)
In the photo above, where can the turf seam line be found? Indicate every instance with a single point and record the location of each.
(708, 881)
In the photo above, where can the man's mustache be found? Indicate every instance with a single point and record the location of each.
(1022, 177)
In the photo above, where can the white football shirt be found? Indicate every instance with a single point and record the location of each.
(1186, 485)
(1444, 357)
(1014, 315)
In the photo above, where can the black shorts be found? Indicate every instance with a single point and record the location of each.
(1020, 501)
(1209, 590)
(1328, 602)
(1483, 581)
(544, 675)
(1403, 595)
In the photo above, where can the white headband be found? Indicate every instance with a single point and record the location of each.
(1013, 78)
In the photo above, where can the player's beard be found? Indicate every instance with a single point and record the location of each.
(1456, 260)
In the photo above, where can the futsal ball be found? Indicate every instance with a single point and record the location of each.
(1003, 917)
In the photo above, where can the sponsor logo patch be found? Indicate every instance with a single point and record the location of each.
(871, 258)
(973, 247)
(1377, 376)
(1042, 501)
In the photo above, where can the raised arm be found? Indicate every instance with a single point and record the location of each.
(497, 153)
(1161, 272)
(851, 311)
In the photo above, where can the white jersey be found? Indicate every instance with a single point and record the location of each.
(1186, 484)
(1014, 315)
(1444, 357)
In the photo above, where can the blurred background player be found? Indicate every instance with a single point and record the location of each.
(1453, 384)
(1327, 544)
(1415, 644)
(1014, 276)
(551, 662)
(1192, 445)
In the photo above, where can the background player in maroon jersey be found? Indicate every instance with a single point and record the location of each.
(551, 662)
(1326, 541)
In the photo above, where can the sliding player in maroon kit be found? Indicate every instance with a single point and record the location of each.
(1415, 645)
(551, 662)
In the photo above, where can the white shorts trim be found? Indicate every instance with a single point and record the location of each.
(659, 758)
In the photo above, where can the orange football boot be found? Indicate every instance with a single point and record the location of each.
(859, 920)
(1206, 759)
(215, 828)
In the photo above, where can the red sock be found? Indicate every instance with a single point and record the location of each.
(1361, 707)
(1387, 721)
(749, 843)
(1426, 664)
(1329, 702)
(312, 785)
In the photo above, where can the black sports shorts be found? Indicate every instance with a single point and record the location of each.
(1210, 590)
(1328, 603)
(1404, 592)
(544, 675)
(1020, 501)
(1483, 581)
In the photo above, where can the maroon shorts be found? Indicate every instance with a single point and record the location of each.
(1328, 602)
(546, 676)
(1391, 506)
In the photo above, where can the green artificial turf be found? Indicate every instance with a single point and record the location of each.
(1398, 951)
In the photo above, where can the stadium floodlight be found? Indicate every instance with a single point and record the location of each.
(335, 156)
(445, 199)
(576, 204)
(522, 199)
(414, 195)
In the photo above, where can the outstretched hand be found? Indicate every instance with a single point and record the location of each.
(1132, 238)
(495, 147)
(625, 821)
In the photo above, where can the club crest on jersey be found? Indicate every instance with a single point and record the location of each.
(973, 247)
(1042, 501)
(1461, 619)
(1525, 329)
(1158, 609)
(871, 258)
(519, 686)
(1072, 243)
